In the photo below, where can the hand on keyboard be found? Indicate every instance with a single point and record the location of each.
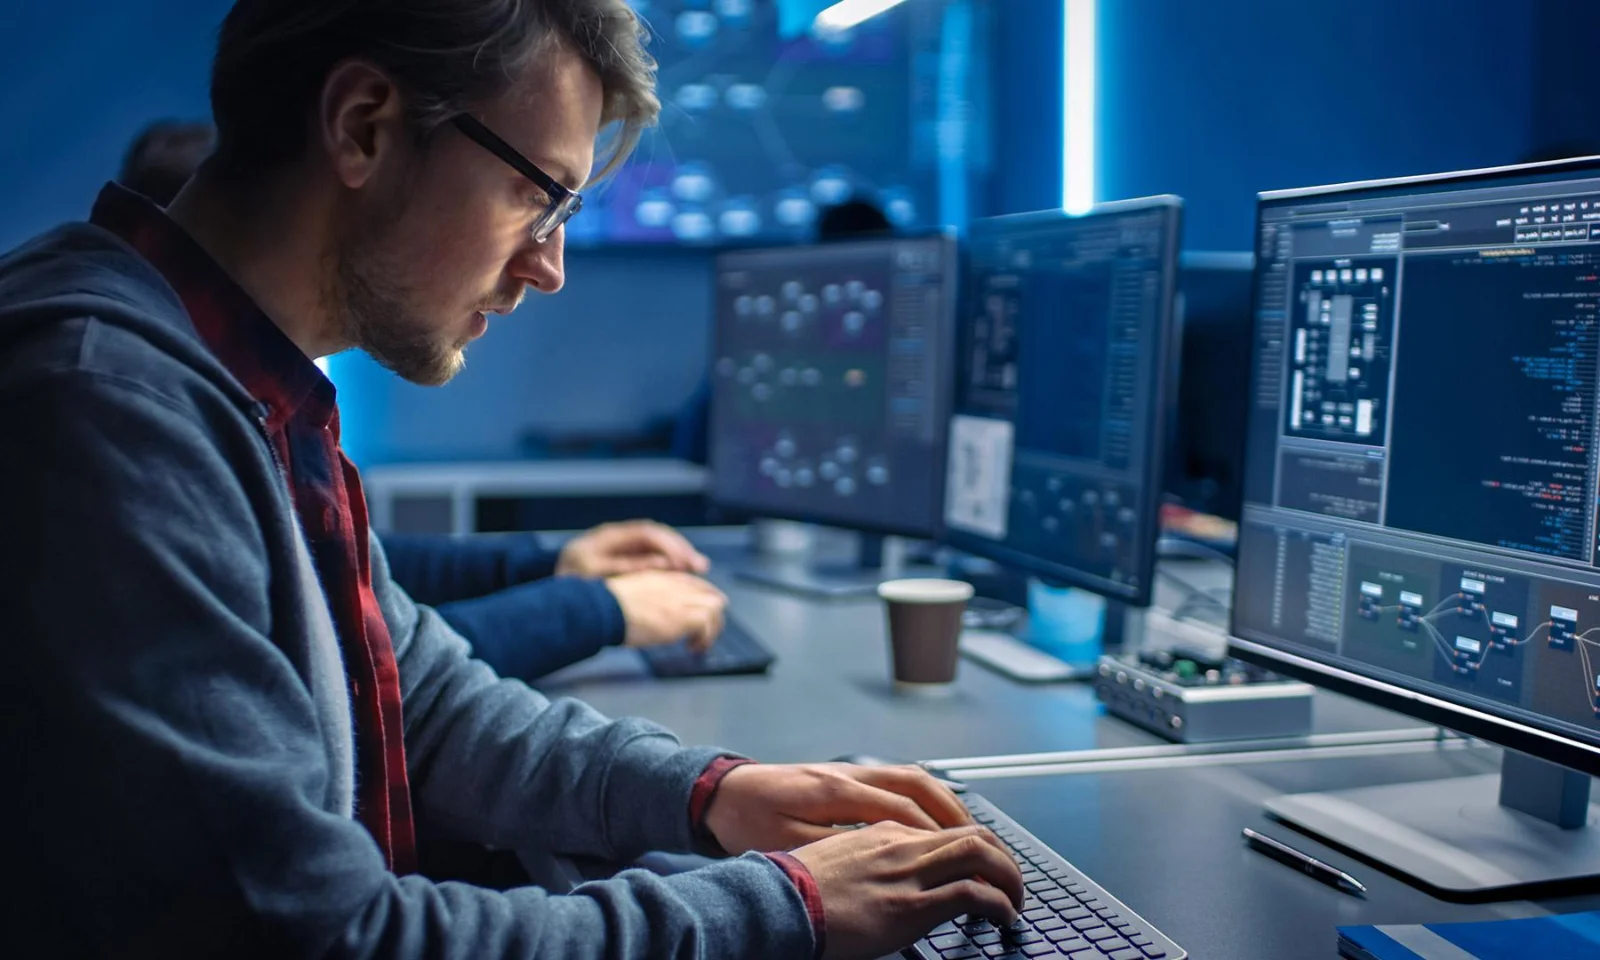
(885, 885)
(663, 606)
(782, 806)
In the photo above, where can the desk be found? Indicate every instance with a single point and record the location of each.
(1166, 842)
(1162, 837)
(830, 693)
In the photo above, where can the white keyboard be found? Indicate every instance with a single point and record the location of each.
(1011, 657)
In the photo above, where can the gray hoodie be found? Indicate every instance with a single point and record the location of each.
(176, 735)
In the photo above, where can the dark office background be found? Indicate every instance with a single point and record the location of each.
(1210, 100)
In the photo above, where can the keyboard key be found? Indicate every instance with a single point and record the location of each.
(943, 929)
(1141, 940)
(984, 939)
(1120, 923)
(1129, 954)
(1089, 954)
(1098, 934)
(1090, 923)
(1038, 949)
(1075, 888)
(1072, 944)
(964, 952)
(1104, 910)
(1062, 935)
(1051, 922)
(1026, 936)
(1051, 896)
(1000, 950)
(1042, 884)
(948, 940)
(1152, 951)
(1112, 945)
(1037, 914)
(1059, 873)
(1073, 911)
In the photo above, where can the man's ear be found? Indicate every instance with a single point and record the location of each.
(360, 120)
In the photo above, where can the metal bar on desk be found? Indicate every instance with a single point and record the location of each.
(1392, 748)
(1171, 750)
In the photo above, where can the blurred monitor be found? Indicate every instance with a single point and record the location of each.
(831, 372)
(1205, 448)
(1419, 526)
(1062, 393)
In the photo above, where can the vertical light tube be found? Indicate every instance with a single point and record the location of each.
(1078, 42)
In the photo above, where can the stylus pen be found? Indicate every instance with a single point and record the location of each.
(1283, 853)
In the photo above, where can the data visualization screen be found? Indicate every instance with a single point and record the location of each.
(1056, 441)
(830, 390)
(767, 119)
(1420, 474)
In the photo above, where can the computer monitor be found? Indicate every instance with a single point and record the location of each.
(1205, 449)
(1419, 520)
(1062, 393)
(831, 372)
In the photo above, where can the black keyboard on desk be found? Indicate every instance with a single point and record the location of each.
(1066, 913)
(734, 652)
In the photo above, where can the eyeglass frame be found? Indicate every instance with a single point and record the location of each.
(564, 202)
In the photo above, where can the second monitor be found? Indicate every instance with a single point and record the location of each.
(831, 373)
(1061, 400)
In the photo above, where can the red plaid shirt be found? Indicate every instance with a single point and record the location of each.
(298, 412)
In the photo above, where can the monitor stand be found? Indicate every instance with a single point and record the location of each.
(878, 559)
(1467, 838)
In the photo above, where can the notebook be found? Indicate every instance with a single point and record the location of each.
(1573, 936)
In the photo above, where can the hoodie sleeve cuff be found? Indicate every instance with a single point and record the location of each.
(806, 885)
(705, 789)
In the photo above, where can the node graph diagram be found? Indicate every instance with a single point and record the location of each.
(1473, 631)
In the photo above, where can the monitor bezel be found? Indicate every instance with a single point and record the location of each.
(1152, 477)
(943, 389)
(1548, 742)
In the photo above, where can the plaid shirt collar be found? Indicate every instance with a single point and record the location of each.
(258, 353)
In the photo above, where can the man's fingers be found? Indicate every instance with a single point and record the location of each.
(967, 852)
(857, 802)
(670, 544)
(936, 799)
(706, 627)
(969, 896)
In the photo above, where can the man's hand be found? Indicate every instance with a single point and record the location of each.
(885, 885)
(783, 806)
(664, 607)
(615, 548)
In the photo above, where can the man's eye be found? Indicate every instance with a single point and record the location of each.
(538, 199)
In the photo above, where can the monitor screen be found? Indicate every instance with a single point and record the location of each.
(1419, 519)
(1062, 391)
(830, 382)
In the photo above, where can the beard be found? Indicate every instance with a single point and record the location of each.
(379, 316)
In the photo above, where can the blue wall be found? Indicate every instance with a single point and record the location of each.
(1218, 100)
(81, 78)
(625, 342)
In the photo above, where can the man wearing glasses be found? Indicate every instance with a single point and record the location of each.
(226, 726)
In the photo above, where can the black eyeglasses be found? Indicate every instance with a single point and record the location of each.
(562, 204)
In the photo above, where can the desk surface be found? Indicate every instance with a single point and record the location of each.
(830, 693)
(1166, 842)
